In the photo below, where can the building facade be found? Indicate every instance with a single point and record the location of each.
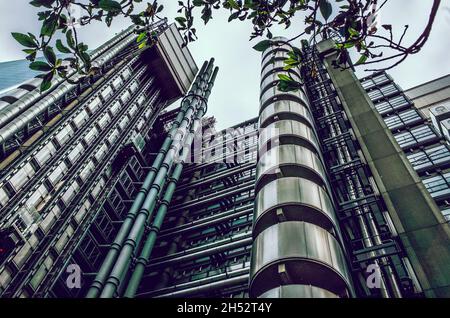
(425, 147)
(433, 93)
(68, 152)
(13, 73)
(336, 190)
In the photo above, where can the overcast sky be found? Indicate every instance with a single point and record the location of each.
(235, 96)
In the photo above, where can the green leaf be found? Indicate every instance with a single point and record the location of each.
(263, 45)
(325, 9)
(198, 3)
(42, 3)
(86, 59)
(206, 14)
(250, 4)
(40, 66)
(233, 16)
(141, 37)
(61, 47)
(181, 21)
(288, 86)
(70, 40)
(109, 5)
(24, 39)
(29, 51)
(142, 45)
(47, 81)
(353, 32)
(50, 55)
(233, 4)
(284, 77)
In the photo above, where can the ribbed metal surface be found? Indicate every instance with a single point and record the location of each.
(298, 291)
(296, 249)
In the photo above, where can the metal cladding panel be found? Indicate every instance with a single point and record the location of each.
(315, 259)
(298, 291)
(178, 59)
(429, 87)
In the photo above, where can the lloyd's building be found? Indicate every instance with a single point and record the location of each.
(119, 186)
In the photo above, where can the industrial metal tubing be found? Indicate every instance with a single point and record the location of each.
(239, 240)
(213, 160)
(86, 222)
(127, 225)
(160, 215)
(129, 219)
(145, 213)
(354, 191)
(170, 190)
(208, 221)
(208, 287)
(249, 185)
(214, 177)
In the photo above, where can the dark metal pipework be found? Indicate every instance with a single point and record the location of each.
(119, 257)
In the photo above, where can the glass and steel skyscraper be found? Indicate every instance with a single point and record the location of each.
(64, 153)
(338, 189)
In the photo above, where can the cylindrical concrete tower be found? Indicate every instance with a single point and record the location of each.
(296, 250)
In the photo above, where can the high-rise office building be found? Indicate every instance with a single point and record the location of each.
(64, 151)
(433, 100)
(331, 191)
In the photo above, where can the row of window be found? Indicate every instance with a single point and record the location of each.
(88, 247)
(382, 92)
(431, 157)
(49, 149)
(52, 183)
(400, 120)
(416, 136)
(438, 185)
(375, 81)
(240, 225)
(224, 183)
(196, 272)
(421, 159)
(392, 104)
(42, 156)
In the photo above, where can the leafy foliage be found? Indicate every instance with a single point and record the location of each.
(351, 22)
